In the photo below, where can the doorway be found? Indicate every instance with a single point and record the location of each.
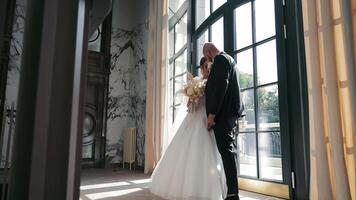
(254, 33)
(94, 137)
(97, 83)
(263, 134)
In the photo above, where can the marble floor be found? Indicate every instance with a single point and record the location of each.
(118, 184)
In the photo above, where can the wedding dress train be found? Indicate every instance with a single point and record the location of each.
(191, 167)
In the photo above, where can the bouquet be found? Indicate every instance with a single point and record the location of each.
(194, 88)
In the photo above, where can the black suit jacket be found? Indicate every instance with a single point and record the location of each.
(222, 92)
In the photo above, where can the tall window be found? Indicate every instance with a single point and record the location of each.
(178, 37)
(256, 56)
(214, 33)
(215, 30)
(204, 8)
(252, 33)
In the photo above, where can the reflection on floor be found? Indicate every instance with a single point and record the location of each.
(114, 184)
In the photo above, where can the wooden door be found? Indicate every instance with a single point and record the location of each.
(94, 132)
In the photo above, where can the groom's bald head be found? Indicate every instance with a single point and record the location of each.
(210, 50)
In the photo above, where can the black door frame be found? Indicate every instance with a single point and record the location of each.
(292, 83)
(297, 99)
(227, 11)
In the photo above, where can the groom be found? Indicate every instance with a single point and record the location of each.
(223, 107)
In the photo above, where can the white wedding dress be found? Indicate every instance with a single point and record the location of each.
(191, 168)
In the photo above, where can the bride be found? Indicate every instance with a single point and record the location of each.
(191, 168)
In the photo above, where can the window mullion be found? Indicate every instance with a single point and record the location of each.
(174, 67)
(255, 84)
(229, 25)
(211, 7)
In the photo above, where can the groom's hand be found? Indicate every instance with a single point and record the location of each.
(211, 121)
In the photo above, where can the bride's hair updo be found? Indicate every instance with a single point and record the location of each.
(203, 61)
(205, 67)
(206, 63)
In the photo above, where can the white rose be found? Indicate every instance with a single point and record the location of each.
(190, 91)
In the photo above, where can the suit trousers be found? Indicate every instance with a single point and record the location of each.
(225, 131)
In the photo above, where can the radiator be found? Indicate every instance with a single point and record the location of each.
(129, 153)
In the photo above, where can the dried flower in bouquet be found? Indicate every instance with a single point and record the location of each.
(194, 88)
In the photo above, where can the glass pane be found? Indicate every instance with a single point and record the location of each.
(268, 108)
(171, 43)
(267, 63)
(170, 70)
(243, 26)
(176, 108)
(178, 84)
(247, 155)
(202, 11)
(247, 123)
(200, 43)
(217, 34)
(181, 64)
(170, 92)
(174, 6)
(244, 61)
(269, 146)
(95, 40)
(181, 33)
(217, 4)
(265, 20)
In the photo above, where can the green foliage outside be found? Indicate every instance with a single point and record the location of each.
(268, 105)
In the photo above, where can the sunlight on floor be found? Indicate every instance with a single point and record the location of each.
(117, 193)
(141, 181)
(114, 189)
(124, 185)
(105, 185)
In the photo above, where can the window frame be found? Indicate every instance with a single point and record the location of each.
(293, 90)
(172, 22)
(227, 12)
